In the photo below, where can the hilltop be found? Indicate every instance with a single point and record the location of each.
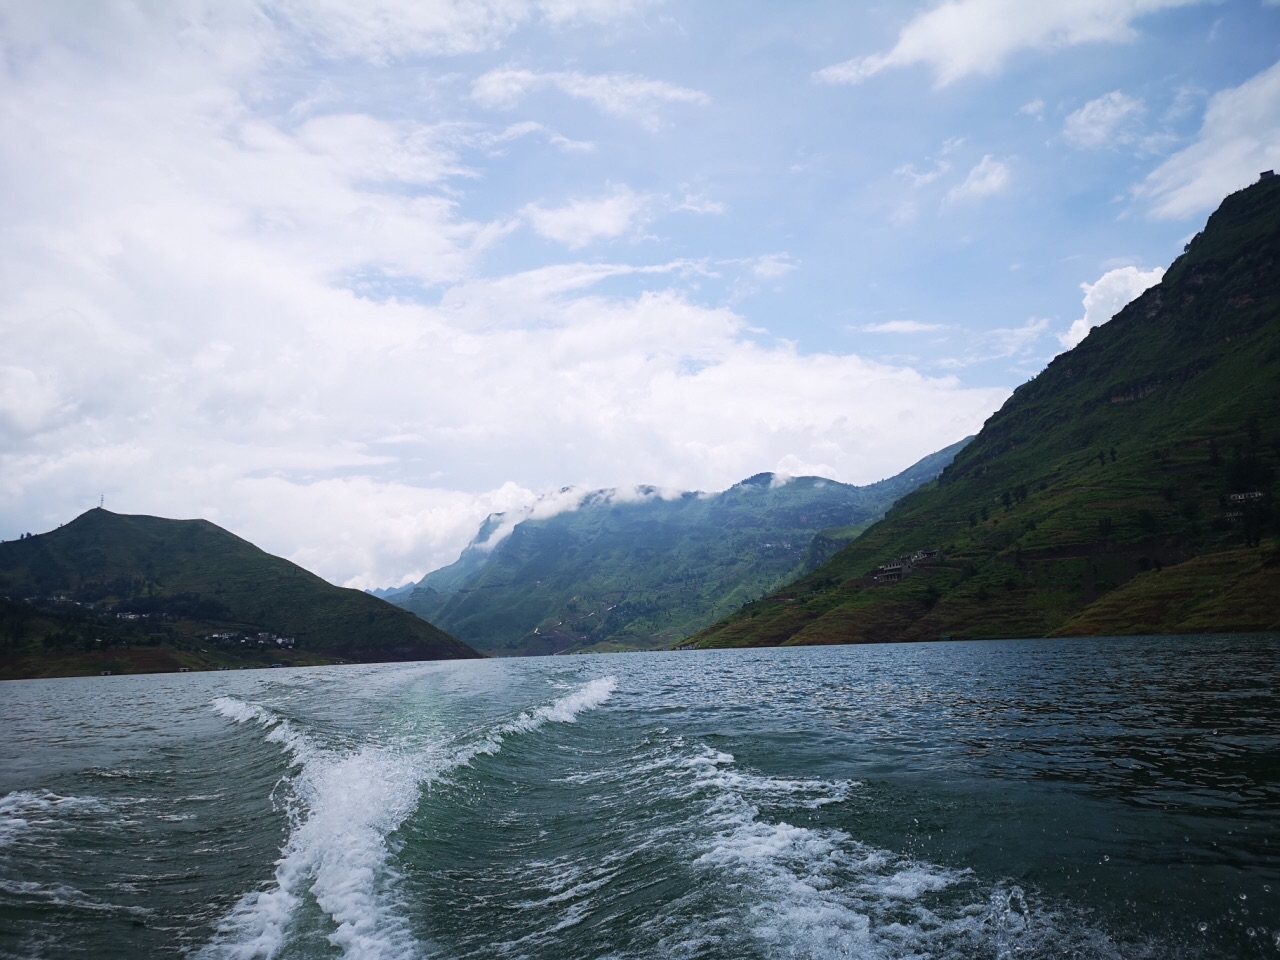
(644, 568)
(1129, 488)
(137, 593)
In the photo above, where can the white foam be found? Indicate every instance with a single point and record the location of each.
(566, 709)
(25, 810)
(806, 892)
(344, 804)
(62, 895)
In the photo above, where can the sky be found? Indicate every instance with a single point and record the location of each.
(346, 276)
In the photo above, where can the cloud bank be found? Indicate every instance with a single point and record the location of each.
(281, 319)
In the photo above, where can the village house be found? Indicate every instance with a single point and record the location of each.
(904, 566)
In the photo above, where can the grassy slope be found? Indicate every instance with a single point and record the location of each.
(203, 576)
(1116, 459)
(616, 575)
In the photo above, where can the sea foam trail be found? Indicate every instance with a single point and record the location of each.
(343, 805)
(820, 893)
(566, 709)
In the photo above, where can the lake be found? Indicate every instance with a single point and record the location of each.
(1042, 798)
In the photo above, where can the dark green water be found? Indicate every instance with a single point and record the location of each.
(1084, 799)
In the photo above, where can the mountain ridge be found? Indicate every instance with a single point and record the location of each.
(181, 583)
(641, 568)
(1104, 472)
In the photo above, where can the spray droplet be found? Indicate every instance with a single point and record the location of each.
(1105, 858)
(1244, 896)
(1202, 926)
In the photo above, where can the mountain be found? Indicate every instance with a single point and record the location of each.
(646, 568)
(385, 593)
(1129, 488)
(144, 593)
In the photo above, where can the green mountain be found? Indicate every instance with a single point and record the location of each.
(645, 569)
(1129, 488)
(136, 593)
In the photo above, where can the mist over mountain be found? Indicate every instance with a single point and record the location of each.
(643, 568)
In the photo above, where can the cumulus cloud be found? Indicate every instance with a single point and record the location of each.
(617, 94)
(963, 37)
(1239, 138)
(1110, 120)
(988, 178)
(1106, 297)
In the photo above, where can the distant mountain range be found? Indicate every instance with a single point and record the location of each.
(1129, 488)
(645, 568)
(135, 593)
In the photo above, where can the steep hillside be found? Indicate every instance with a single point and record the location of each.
(1154, 442)
(645, 570)
(108, 587)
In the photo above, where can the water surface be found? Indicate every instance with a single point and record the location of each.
(1068, 798)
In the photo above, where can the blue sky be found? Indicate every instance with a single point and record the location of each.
(347, 276)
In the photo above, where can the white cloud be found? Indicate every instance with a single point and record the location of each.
(772, 266)
(280, 439)
(616, 94)
(902, 326)
(963, 37)
(920, 178)
(581, 222)
(528, 128)
(381, 30)
(213, 306)
(1013, 341)
(988, 178)
(1001, 343)
(1034, 108)
(696, 203)
(1111, 120)
(1240, 137)
(1106, 297)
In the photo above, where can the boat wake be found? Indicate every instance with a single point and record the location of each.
(343, 805)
